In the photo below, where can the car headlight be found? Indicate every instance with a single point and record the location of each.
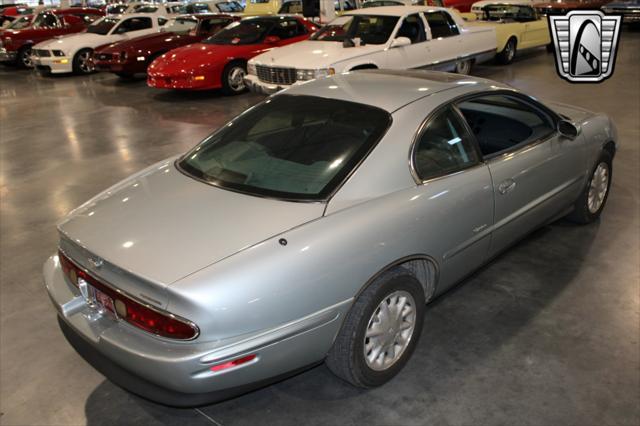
(58, 53)
(304, 75)
(251, 69)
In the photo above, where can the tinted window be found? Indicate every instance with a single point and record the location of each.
(196, 8)
(413, 28)
(46, 20)
(103, 26)
(293, 147)
(288, 28)
(134, 24)
(444, 146)
(243, 32)
(496, 12)
(213, 25)
(501, 122)
(441, 25)
(229, 6)
(370, 29)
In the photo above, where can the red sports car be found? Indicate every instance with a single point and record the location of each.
(221, 60)
(15, 44)
(129, 57)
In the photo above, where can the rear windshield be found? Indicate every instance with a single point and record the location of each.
(103, 26)
(244, 32)
(229, 6)
(369, 29)
(289, 147)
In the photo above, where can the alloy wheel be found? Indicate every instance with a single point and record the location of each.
(389, 330)
(25, 57)
(236, 79)
(598, 187)
(84, 62)
(463, 67)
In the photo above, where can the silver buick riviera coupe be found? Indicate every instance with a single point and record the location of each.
(315, 227)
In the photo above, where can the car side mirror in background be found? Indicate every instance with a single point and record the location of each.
(271, 39)
(400, 41)
(567, 129)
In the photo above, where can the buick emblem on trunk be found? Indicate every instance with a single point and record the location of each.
(96, 262)
(585, 43)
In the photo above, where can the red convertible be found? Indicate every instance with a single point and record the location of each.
(221, 60)
(15, 44)
(129, 57)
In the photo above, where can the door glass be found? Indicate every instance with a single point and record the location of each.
(441, 25)
(501, 122)
(444, 147)
(413, 29)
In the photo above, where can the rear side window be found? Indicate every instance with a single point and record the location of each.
(501, 122)
(291, 147)
(441, 24)
(134, 24)
(445, 146)
(412, 28)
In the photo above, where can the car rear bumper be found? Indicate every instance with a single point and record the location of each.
(53, 64)
(6, 56)
(254, 85)
(179, 373)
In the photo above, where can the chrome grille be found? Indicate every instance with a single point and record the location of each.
(276, 75)
(41, 53)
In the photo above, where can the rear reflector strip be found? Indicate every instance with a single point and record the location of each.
(234, 363)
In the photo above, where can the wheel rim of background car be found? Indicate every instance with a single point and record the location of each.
(389, 330)
(84, 62)
(236, 78)
(510, 50)
(25, 57)
(598, 187)
(463, 67)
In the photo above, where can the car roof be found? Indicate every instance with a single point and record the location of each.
(394, 10)
(390, 89)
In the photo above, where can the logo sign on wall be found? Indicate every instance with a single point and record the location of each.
(585, 44)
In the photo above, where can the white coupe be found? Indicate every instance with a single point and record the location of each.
(393, 37)
(73, 53)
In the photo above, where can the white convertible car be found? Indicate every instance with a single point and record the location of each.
(393, 37)
(73, 53)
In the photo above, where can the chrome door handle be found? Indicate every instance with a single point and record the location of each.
(506, 186)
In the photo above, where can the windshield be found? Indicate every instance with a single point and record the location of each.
(45, 20)
(243, 32)
(290, 147)
(370, 29)
(103, 26)
(145, 8)
(180, 25)
(21, 23)
(229, 7)
(497, 12)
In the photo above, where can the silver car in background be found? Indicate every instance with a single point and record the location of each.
(314, 227)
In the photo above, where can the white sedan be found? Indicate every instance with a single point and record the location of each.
(393, 37)
(73, 53)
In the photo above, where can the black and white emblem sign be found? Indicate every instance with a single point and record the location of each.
(585, 44)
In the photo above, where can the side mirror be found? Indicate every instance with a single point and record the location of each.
(567, 129)
(400, 41)
(271, 39)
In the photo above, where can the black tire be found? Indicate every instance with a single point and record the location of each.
(231, 72)
(346, 359)
(581, 212)
(23, 58)
(509, 52)
(79, 64)
(464, 67)
(124, 75)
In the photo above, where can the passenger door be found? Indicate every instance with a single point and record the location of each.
(455, 196)
(414, 55)
(534, 173)
(536, 30)
(444, 42)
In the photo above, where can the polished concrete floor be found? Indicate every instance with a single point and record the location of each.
(547, 334)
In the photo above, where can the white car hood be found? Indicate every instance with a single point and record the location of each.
(76, 41)
(313, 54)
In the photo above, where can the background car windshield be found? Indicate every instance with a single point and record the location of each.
(229, 6)
(370, 29)
(180, 25)
(243, 32)
(20, 23)
(496, 12)
(102, 26)
(290, 147)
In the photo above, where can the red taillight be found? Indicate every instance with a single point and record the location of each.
(135, 313)
(233, 363)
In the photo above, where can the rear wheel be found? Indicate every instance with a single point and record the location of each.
(83, 62)
(380, 331)
(589, 206)
(463, 67)
(24, 57)
(233, 78)
(508, 53)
